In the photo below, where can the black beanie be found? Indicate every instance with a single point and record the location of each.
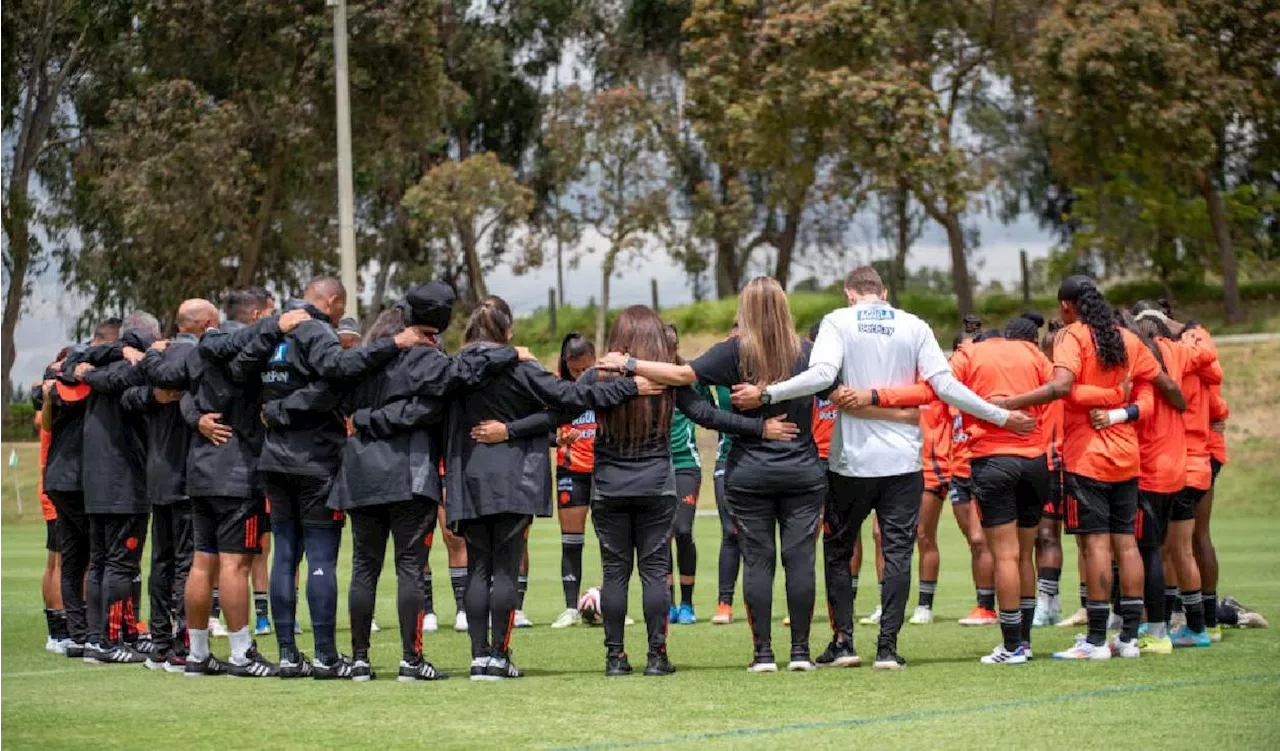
(429, 304)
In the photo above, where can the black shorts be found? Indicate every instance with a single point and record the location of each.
(1151, 522)
(301, 499)
(1215, 467)
(226, 525)
(51, 535)
(1057, 493)
(264, 520)
(1184, 504)
(961, 490)
(1009, 489)
(573, 489)
(1095, 507)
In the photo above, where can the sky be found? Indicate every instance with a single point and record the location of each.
(51, 310)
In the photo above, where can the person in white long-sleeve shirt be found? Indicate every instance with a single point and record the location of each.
(875, 465)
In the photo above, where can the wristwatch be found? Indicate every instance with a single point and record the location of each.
(631, 365)
(765, 397)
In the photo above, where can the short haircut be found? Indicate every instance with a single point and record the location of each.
(325, 286)
(141, 320)
(865, 281)
(242, 302)
(108, 330)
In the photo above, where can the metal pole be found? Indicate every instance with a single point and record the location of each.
(346, 191)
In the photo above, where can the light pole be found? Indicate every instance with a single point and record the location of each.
(346, 189)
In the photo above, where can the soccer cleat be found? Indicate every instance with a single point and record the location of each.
(216, 628)
(1046, 611)
(93, 653)
(362, 671)
(685, 615)
(724, 614)
(75, 650)
(1177, 620)
(419, 670)
(887, 659)
(659, 664)
(1251, 619)
(1185, 637)
(763, 662)
(254, 666)
(294, 664)
(50, 644)
(175, 664)
(144, 644)
(200, 668)
(673, 615)
(338, 668)
(570, 617)
(521, 620)
(61, 645)
(800, 662)
(628, 621)
(1083, 650)
(1002, 656)
(1161, 645)
(922, 615)
(616, 665)
(430, 623)
(980, 617)
(872, 619)
(156, 661)
(839, 654)
(480, 669)
(122, 654)
(1215, 634)
(1078, 618)
(501, 668)
(1126, 648)
(1026, 648)
(460, 623)
(262, 626)
(373, 627)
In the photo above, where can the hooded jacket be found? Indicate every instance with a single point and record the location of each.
(168, 435)
(114, 468)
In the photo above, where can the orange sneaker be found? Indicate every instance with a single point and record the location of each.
(142, 627)
(980, 617)
(724, 614)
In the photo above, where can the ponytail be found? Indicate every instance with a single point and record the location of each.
(1094, 312)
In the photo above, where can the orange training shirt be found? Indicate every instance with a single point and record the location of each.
(1000, 368)
(1162, 439)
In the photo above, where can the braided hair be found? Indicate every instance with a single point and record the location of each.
(1094, 312)
(1148, 321)
(1022, 329)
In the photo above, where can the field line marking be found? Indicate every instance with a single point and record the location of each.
(36, 673)
(930, 714)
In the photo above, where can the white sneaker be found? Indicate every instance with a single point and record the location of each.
(1248, 619)
(51, 645)
(430, 624)
(1115, 622)
(872, 619)
(522, 620)
(61, 647)
(1126, 649)
(923, 615)
(460, 623)
(1002, 656)
(570, 617)
(628, 621)
(1046, 611)
(373, 627)
(1083, 650)
(801, 666)
(216, 628)
(1078, 618)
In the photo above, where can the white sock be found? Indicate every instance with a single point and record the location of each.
(241, 641)
(199, 643)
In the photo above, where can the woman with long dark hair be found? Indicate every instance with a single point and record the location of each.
(575, 460)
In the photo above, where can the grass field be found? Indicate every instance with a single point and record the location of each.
(1227, 696)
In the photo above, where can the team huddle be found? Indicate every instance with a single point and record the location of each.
(278, 428)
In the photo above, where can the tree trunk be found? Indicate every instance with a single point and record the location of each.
(251, 258)
(476, 289)
(959, 264)
(1226, 252)
(728, 275)
(901, 198)
(20, 254)
(787, 243)
(602, 314)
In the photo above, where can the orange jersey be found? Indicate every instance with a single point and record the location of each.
(1218, 412)
(824, 422)
(960, 450)
(1201, 373)
(1051, 431)
(1001, 368)
(1162, 438)
(579, 456)
(935, 454)
(1109, 455)
(46, 505)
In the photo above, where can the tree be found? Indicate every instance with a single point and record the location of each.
(47, 48)
(458, 206)
(622, 191)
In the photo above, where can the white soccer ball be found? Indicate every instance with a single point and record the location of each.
(589, 607)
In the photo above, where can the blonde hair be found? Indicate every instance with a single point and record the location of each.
(768, 346)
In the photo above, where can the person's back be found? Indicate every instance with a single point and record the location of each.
(1162, 437)
(998, 368)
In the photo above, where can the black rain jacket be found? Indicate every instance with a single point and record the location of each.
(168, 435)
(114, 468)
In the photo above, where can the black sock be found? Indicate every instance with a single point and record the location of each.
(260, 607)
(1193, 603)
(458, 580)
(1047, 581)
(686, 594)
(1098, 611)
(1131, 614)
(1028, 607)
(1210, 608)
(216, 612)
(926, 593)
(56, 620)
(1172, 602)
(1115, 588)
(1011, 628)
(522, 587)
(854, 580)
(571, 544)
(428, 596)
(1084, 595)
(986, 598)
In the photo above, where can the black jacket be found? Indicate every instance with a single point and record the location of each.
(66, 444)
(396, 415)
(114, 469)
(515, 476)
(168, 435)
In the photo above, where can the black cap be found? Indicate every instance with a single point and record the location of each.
(1073, 286)
(429, 304)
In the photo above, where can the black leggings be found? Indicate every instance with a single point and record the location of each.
(766, 520)
(730, 550)
(688, 484)
(73, 546)
(633, 532)
(495, 548)
(405, 522)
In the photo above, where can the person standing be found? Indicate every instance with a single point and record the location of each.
(575, 461)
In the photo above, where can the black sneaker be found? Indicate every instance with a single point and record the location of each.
(254, 666)
(887, 659)
(122, 654)
(480, 669)
(361, 670)
(419, 670)
(839, 654)
(176, 663)
(501, 667)
(93, 653)
(208, 666)
(617, 664)
(338, 668)
(763, 662)
(800, 662)
(144, 644)
(659, 664)
(75, 651)
(294, 664)
(156, 661)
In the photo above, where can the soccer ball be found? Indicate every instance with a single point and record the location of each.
(589, 607)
